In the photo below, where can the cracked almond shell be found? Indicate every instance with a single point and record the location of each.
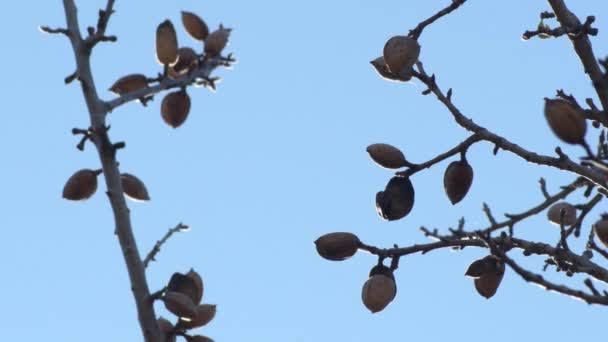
(184, 284)
(457, 180)
(566, 121)
(382, 69)
(217, 41)
(129, 83)
(387, 156)
(378, 291)
(165, 328)
(166, 43)
(400, 54)
(600, 229)
(186, 60)
(179, 304)
(554, 213)
(175, 108)
(195, 26)
(198, 281)
(488, 281)
(81, 185)
(337, 246)
(134, 188)
(204, 314)
(397, 199)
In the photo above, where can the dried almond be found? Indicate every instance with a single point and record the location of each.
(81, 185)
(195, 26)
(166, 43)
(175, 108)
(337, 246)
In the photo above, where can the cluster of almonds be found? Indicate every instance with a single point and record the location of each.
(83, 184)
(379, 289)
(397, 199)
(177, 62)
(182, 298)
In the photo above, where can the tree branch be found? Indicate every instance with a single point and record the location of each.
(563, 162)
(417, 31)
(582, 47)
(97, 113)
(538, 279)
(156, 249)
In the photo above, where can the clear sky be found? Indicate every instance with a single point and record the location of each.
(277, 158)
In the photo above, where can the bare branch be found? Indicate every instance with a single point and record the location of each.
(49, 30)
(463, 146)
(562, 163)
(545, 31)
(417, 31)
(156, 249)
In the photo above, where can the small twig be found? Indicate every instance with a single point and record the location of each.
(488, 212)
(152, 254)
(49, 30)
(544, 31)
(543, 188)
(417, 31)
(463, 146)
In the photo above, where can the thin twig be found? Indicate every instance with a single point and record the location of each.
(156, 249)
(417, 31)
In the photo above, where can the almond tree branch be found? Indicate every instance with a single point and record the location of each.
(583, 49)
(538, 279)
(563, 162)
(417, 31)
(180, 227)
(463, 146)
(97, 114)
(202, 72)
(576, 263)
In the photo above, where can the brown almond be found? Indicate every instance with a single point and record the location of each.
(81, 185)
(199, 338)
(217, 41)
(134, 188)
(397, 199)
(186, 60)
(387, 156)
(487, 283)
(554, 213)
(457, 180)
(337, 246)
(400, 54)
(198, 282)
(566, 121)
(195, 26)
(204, 314)
(183, 284)
(166, 43)
(600, 228)
(378, 291)
(382, 69)
(175, 108)
(129, 83)
(166, 328)
(179, 304)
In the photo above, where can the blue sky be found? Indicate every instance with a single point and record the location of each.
(277, 158)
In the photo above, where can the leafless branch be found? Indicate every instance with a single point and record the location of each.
(180, 227)
(563, 162)
(417, 31)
